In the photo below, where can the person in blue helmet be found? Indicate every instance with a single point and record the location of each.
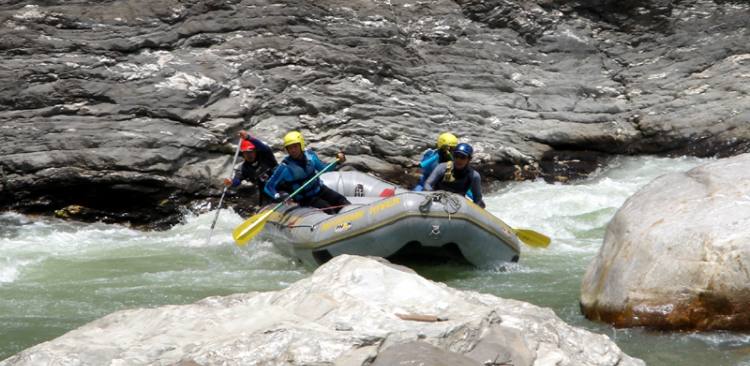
(432, 157)
(296, 169)
(457, 176)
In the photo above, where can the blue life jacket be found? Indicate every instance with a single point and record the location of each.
(430, 160)
(292, 174)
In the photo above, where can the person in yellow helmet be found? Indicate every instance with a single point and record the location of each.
(297, 168)
(446, 142)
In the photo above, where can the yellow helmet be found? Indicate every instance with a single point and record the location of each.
(447, 139)
(294, 137)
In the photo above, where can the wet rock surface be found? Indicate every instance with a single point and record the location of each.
(352, 311)
(131, 108)
(676, 255)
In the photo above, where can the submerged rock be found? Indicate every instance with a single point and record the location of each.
(676, 255)
(351, 311)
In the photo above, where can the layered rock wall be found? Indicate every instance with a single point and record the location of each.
(131, 107)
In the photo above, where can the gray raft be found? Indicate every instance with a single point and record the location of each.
(387, 221)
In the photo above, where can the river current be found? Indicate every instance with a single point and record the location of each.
(57, 275)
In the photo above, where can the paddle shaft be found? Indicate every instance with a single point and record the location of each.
(224, 192)
(263, 218)
(301, 188)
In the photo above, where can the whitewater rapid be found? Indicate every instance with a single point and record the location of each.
(56, 275)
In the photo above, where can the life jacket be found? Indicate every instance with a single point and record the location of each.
(430, 160)
(456, 182)
(444, 156)
(302, 171)
(256, 171)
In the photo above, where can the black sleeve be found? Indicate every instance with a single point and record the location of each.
(476, 188)
(435, 177)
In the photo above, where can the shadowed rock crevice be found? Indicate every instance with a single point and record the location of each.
(145, 203)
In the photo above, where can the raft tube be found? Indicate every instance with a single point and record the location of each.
(387, 221)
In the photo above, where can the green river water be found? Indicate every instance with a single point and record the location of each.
(57, 275)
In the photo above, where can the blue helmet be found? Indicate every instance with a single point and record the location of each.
(464, 149)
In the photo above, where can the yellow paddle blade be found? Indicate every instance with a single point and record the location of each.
(532, 238)
(247, 230)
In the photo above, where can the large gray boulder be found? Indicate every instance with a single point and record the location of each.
(676, 255)
(127, 107)
(351, 311)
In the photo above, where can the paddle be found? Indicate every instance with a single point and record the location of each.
(221, 200)
(532, 238)
(254, 225)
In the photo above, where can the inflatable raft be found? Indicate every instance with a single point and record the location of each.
(387, 221)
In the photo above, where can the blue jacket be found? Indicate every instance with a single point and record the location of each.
(292, 174)
(430, 160)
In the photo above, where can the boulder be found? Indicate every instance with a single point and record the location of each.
(676, 255)
(351, 311)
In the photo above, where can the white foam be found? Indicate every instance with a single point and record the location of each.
(565, 211)
(573, 215)
(195, 231)
(8, 273)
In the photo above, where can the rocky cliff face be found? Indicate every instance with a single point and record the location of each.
(130, 108)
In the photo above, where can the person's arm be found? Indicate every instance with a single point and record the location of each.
(265, 154)
(237, 177)
(476, 189)
(317, 164)
(428, 163)
(277, 178)
(435, 177)
(259, 145)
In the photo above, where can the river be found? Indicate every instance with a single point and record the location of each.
(57, 275)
